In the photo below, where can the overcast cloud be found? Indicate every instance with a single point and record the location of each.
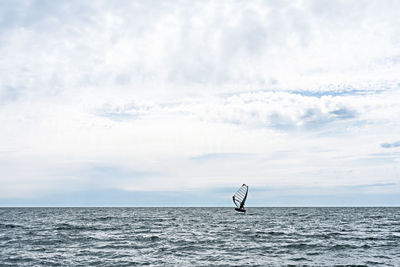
(186, 98)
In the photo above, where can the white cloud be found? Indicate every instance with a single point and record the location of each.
(298, 93)
(64, 47)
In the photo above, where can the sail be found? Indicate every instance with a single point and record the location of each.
(239, 198)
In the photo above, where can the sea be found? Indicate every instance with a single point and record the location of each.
(200, 237)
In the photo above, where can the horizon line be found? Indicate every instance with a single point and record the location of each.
(359, 206)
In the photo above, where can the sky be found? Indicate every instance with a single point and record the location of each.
(178, 103)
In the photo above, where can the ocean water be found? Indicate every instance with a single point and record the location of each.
(199, 236)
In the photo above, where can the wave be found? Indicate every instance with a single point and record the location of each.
(2, 225)
(204, 237)
(105, 218)
(347, 247)
(75, 227)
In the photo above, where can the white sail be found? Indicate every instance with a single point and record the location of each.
(239, 198)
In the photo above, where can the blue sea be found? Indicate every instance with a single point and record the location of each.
(199, 236)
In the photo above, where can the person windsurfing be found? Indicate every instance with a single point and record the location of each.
(239, 198)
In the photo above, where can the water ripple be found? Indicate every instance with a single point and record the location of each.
(199, 236)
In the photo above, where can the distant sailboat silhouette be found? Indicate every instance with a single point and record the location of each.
(239, 198)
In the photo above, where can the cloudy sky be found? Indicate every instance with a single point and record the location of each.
(177, 103)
